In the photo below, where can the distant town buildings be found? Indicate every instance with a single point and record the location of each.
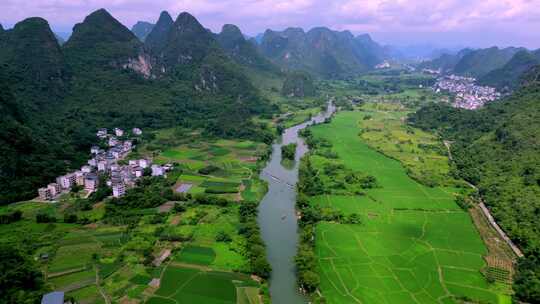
(383, 65)
(467, 94)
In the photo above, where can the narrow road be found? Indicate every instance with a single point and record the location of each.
(489, 216)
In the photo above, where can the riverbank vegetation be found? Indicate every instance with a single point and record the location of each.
(288, 151)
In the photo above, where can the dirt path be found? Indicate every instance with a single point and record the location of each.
(101, 291)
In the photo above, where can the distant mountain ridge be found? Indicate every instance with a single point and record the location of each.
(508, 77)
(243, 51)
(141, 29)
(321, 51)
(480, 62)
(157, 38)
(472, 62)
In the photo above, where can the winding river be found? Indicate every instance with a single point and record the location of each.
(277, 214)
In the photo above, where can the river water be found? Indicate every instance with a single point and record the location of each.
(277, 214)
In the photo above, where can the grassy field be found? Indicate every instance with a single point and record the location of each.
(414, 245)
(384, 129)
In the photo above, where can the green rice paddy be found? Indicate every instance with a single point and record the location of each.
(414, 245)
(190, 285)
(196, 255)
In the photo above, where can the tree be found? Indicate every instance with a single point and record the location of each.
(261, 267)
(70, 218)
(222, 236)
(310, 280)
(21, 280)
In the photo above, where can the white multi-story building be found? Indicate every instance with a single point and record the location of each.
(79, 178)
(144, 163)
(67, 181)
(45, 194)
(102, 133)
(138, 171)
(127, 145)
(102, 165)
(91, 182)
(54, 188)
(117, 153)
(118, 132)
(118, 189)
(113, 141)
(94, 150)
(92, 162)
(157, 170)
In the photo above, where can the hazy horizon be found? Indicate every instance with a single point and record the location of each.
(448, 23)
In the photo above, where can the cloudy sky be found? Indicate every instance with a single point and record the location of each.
(477, 23)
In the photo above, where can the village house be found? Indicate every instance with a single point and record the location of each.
(55, 297)
(102, 165)
(54, 188)
(92, 162)
(91, 182)
(113, 141)
(67, 181)
(102, 133)
(157, 170)
(144, 163)
(45, 194)
(118, 189)
(138, 171)
(86, 169)
(136, 131)
(79, 178)
(127, 145)
(94, 150)
(118, 132)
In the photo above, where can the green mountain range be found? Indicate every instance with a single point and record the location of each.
(508, 76)
(55, 98)
(321, 51)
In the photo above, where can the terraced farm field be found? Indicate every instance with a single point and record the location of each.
(414, 245)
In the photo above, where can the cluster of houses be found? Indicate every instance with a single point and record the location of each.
(105, 164)
(467, 94)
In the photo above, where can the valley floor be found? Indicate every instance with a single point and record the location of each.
(414, 243)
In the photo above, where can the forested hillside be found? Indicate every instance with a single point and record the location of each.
(472, 63)
(497, 148)
(508, 76)
(54, 98)
(321, 51)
